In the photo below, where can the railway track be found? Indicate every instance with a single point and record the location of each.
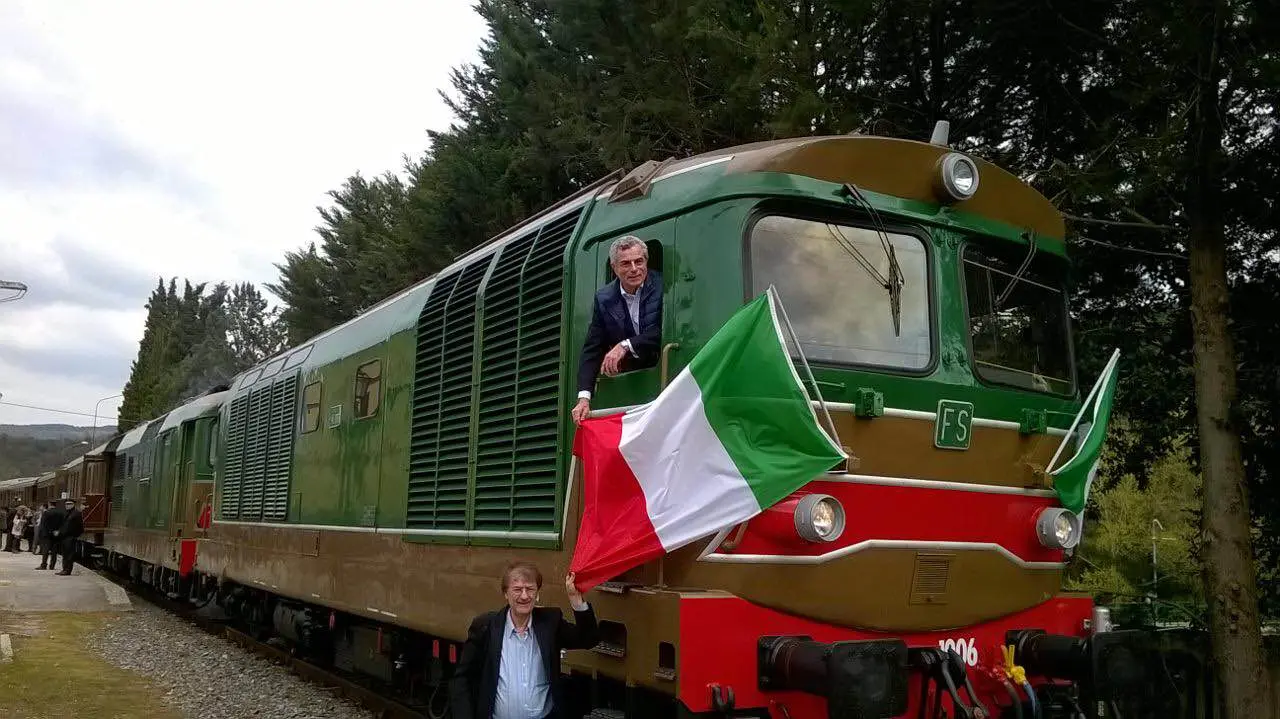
(364, 693)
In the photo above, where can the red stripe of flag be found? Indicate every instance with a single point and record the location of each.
(616, 533)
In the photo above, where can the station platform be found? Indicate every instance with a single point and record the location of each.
(23, 588)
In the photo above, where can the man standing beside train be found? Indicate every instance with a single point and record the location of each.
(626, 321)
(67, 535)
(510, 663)
(50, 524)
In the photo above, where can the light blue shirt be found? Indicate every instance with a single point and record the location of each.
(632, 301)
(523, 689)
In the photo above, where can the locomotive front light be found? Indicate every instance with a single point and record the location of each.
(819, 518)
(1058, 528)
(957, 177)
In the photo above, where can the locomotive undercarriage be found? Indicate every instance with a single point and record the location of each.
(1110, 674)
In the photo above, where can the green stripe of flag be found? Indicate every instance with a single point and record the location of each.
(1072, 480)
(757, 406)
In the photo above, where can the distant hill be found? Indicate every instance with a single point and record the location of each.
(27, 457)
(60, 432)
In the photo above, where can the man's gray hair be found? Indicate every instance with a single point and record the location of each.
(623, 243)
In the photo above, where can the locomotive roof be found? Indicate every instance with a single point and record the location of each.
(196, 408)
(133, 436)
(894, 167)
(110, 445)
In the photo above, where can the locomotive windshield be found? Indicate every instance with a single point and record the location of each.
(831, 279)
(1018, 318)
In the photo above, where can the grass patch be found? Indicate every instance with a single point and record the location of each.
(55, 676)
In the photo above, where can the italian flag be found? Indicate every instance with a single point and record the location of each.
(732, 434)
(1073, 479)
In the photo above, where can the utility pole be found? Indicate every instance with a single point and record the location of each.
(1154, 576)
(16, 287)
(93, 436)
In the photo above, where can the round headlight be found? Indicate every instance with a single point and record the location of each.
(957, 176)
(819, 518)
(1058, 528)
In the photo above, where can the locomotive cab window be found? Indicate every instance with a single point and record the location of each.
(311, 407)
(1018, 327)
(368, 384)
(836, 284)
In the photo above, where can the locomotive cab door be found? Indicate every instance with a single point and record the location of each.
(181, 469)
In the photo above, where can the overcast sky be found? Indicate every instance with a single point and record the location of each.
(140, 140)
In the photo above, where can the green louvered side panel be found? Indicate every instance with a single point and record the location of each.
(441, 434)
(117, 491)
(255, 454)
(284, 422)
(233, 464)
(454, 447)
(499, 363)
(518, 419)
(424, 438)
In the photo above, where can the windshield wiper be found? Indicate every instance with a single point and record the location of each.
(1022, 270)
(894, 282)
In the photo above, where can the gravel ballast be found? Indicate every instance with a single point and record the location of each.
(207, 677)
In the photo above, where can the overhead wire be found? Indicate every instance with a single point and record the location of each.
(58, 411)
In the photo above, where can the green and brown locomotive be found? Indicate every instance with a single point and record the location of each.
(361, 493)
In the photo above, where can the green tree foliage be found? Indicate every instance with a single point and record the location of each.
(1115, 557)
(194, 342)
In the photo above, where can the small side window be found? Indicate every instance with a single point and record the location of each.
(368, 384)
(311, 408)
(213, 442)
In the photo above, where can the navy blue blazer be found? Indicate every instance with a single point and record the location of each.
(611, 324)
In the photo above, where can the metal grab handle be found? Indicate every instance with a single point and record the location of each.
(664, 363)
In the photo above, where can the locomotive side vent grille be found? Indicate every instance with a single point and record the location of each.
(485, 431)
(518, 422)
(255, 454)
(439, 454)
(117, 491)
(931, 578)
(424, 437)
(454, 448)
(232, 474)
(284, 413)
(492, 507)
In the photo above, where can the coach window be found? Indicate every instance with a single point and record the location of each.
(368, 384)
(855, 295)
(311, 407)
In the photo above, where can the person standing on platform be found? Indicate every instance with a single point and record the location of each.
(71, 530)
(37, 545)
(50, 525)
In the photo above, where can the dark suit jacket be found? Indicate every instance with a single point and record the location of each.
(73, 526)
(51, 521)
(611, 324)
(474, 684)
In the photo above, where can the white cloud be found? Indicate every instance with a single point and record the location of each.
(175, 139)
